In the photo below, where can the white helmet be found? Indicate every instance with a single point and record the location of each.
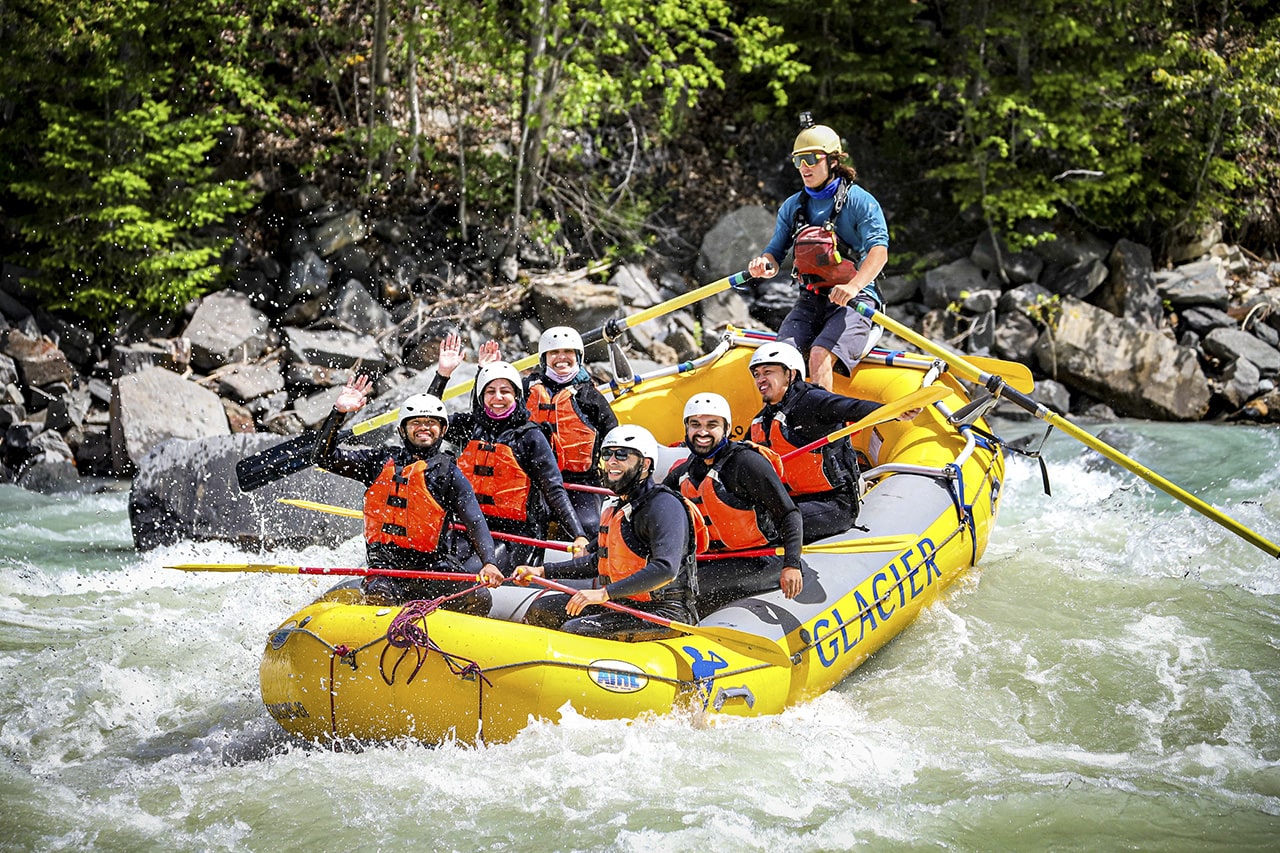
(498, 370)
(560, 337)
(709, 404)
(423, 406)
(776, 353)
(636, 438)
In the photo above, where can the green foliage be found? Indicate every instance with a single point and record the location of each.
(1211, 105)
(558, 118)
(116, 207)
(577, 67)
(108, 171)
(1149, 119)
(1113, 115)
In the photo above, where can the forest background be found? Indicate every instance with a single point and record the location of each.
(140, 140)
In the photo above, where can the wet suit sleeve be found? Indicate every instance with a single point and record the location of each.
(586, 566)
(438, 383)
(827, 407)
(663, 522)
(364, 464)
(539, 461)
(596, 408)
(472, 517)
(750, 474)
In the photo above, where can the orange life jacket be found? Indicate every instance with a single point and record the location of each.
(500, 484)
(803, 474)
(729, 526)
(400, 510)
(615, 558)
(572, 438)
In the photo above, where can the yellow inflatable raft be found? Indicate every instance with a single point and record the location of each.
(330, 672)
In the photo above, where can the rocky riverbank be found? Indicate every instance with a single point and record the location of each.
(333, 291)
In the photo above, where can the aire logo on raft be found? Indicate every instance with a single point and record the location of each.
(618, 676)
(832, 634)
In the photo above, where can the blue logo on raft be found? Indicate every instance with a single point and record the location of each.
(891, 588)
(704, 670)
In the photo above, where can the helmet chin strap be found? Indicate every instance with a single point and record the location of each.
(720, 445)
(628, 483)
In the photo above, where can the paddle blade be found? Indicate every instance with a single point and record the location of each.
(746, 644)
(1016, 376)
(322, 507)
(236, 567)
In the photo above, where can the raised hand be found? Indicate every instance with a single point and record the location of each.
(488, 353)
(451, 354)
(354, 395)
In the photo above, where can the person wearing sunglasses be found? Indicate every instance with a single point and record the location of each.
(644, 555)
(837, 233)
(738, 488)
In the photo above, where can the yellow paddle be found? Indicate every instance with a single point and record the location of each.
(608, 332)
(996, 385)
(917, 399)
(357, 571)
(867, 544)
(847, 546)
(742, 642)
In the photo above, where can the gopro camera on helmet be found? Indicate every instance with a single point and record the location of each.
(806, 119)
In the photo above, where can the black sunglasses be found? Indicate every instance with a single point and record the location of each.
(619, 453)
(809, 158)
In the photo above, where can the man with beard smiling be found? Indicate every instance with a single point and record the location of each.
(413, 494)
(824, 482)
(740, 493)
(643, 556)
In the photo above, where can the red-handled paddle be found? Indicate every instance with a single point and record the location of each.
(749, 645)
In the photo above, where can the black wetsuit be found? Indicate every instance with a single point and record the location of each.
(810, 413)
(752, 484)
(454, 494)
(657, 530)
(547, 499)
(598, 415)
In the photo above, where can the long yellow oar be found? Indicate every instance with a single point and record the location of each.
(849, 546)
(1013, 373)
(356, 571)
(749, 645)
(355, 513)
(865, 545)
(994, 384)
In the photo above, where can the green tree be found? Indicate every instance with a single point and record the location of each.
(1208, 115)
(109, 156)
(571, 84)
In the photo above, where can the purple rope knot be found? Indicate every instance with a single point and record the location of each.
(405, 631)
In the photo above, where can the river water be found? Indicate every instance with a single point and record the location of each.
(1109, 678)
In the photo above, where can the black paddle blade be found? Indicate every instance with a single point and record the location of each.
(277, 461)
